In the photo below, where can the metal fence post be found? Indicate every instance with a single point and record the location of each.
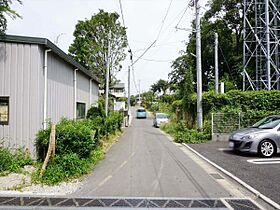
(239, 120)
(212, 126)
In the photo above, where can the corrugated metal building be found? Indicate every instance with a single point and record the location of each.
(38, 83)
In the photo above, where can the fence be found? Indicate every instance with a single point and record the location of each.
(223, 124)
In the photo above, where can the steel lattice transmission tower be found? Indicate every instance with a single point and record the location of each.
(261, 45)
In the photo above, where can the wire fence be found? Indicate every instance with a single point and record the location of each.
(225, 123)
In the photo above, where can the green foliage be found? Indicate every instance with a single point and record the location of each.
(92, 38)
(5, 9)
(96, 111)
(77, 145)
(13, 162)
(68, 166)
(71, 137)
(160, 86)
(241, 101)
(182, 134)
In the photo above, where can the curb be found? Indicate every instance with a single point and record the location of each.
(248, 187)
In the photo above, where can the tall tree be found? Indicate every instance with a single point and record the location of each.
(5, 9)
(161, 86)
(92, 40)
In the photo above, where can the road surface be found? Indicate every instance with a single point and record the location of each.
(145, 163)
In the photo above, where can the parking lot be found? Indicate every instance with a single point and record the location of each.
(261, 174)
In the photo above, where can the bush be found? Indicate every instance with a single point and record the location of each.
(13, 162)
(71, 137)
(182, 134)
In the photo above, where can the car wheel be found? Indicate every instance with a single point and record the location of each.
(266, 148)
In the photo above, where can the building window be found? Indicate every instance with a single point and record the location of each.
(81, 110)
(4, 110)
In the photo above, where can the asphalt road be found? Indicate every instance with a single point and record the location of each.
(264, 177)
(145, 163)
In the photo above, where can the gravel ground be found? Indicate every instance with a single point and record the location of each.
(21, 184)
(264, 178)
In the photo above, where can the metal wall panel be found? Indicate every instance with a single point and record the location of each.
(21, 80)
(94, 92)
(83, 89)
(60, 102)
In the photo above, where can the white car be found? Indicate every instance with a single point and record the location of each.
(159, 119)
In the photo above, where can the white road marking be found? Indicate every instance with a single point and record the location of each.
(105, 180)
(248, 187)
(226, 204)
(262, 161)
(224, 149)
(123, 164)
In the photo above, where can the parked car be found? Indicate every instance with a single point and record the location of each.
(159, 119)
(262, 138)
(141, 113)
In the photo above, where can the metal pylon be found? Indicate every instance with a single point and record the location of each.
(261, 33)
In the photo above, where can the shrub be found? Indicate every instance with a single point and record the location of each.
(68, 166)
(182, 134)
(6, 159)
(71, 137)
(96, 111)
(13, 162)
(64, 167)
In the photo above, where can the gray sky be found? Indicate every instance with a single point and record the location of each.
(143, 19)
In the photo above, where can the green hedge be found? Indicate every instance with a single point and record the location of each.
(182, 134)
(77, 145)
(71, 137)
(242, 100)
(253, 105)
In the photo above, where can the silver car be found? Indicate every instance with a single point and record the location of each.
(159, 119)
(262, 138)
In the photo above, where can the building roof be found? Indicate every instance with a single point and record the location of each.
(48, 44)
(119, 85)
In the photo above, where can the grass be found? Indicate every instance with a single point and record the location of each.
(70, 166)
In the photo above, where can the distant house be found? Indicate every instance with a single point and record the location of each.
(39, 83)
(118, 91)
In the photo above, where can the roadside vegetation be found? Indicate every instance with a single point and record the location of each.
(177, 95)
(13, 161)
(80, 145)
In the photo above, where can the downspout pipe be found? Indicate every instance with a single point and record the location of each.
(45, 88)
(75, 94)
(90, 92)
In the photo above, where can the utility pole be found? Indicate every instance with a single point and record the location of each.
(216, 64)
(128, 87)
(139, 96)
(198, 66)
(107, 75)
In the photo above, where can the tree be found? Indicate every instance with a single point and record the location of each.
(161, 86)
(5, 9)
(177, 75)
(91, 45)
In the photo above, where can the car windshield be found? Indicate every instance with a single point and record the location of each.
(141, 110)
(161, 116)
(267, 123)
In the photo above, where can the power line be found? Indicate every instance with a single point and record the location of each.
(121, 8)
(163, 21)
(150, 46)
(182, 16)
(153, 60)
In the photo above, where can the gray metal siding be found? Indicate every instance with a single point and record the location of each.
(83, 89)
(21, 79)
(60, 102)
(94, 92)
